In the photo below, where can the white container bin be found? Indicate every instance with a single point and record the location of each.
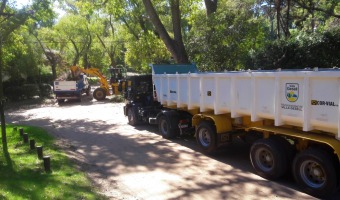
(308, 99)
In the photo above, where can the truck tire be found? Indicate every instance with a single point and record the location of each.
(315, 172)
(206, 137)
(269, 158)
(99, 94)
(132, 117)
(78, 98)
(164, 127)
(60, 101)
(88, 91)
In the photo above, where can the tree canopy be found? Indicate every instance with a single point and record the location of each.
(215, 34)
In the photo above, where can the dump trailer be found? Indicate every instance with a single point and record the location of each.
(291, 116)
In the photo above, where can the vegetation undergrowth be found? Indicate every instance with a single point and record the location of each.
(22, 174)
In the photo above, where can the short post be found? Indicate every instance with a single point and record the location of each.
(32, 144)
(21, 131)
(25, 137)
(40, 152)
(47, 163)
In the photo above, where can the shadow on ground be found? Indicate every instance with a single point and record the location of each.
(113, 152)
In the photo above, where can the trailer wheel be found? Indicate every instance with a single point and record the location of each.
(164, 127)
(132, 117)
(269, 158)
(99, 94)
(315, 172)
(206, 137)
(289, 149)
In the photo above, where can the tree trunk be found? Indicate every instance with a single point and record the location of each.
(77, 54)
(288, 18)
(278, 14)
(2, 111)
(182, 56)
(51, 57)
(175, 47)
(211, 6)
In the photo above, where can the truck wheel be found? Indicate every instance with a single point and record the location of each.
(78, 98)
(164, 127)
(60, 101)
(206, 137)
(269, 158)
(99, 94)
(132, 117)
(315, 173)
(88, 91)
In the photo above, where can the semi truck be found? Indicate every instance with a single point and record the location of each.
(292, 116)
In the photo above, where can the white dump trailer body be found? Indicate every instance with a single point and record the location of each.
(308, 98)
(65, 86)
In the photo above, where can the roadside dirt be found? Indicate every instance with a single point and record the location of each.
(126, 162)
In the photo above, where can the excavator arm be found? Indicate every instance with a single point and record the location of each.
(94, 72)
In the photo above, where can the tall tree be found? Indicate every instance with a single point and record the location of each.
(10, 20)
(75, 30)
(175, 45)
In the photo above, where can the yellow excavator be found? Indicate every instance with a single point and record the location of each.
(104, 90)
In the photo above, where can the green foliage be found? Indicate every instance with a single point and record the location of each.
(148, 49)
(24, 177)
(240, 35)
(16, 90)
(224, 40)
(302, 50)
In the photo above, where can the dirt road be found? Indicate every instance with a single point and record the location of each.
(127, 162)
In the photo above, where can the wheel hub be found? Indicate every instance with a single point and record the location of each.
(268, 158)
(312, 174)
(264, 159)
(204, 137)
(316, 172)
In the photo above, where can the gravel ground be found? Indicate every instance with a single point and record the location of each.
(126, 162)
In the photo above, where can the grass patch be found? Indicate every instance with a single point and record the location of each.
(22, 174)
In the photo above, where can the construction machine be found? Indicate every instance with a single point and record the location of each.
(104, 89)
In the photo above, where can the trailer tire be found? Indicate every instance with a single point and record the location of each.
(315, 172)
(206, 137)
(164, 127)
(289, 149)
(132, 117)
(269, 158)
(99, 94)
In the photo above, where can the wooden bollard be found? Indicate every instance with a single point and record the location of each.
(40, 152)
(32, 144)
(25, 137)
(47, 163)
(21, 131)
